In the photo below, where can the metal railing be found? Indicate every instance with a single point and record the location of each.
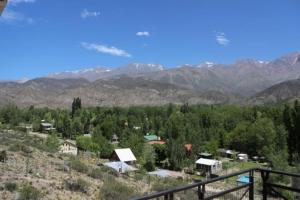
(268, 187)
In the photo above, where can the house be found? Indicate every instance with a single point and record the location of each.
(208, 166)
(46, 127)
(68, 147)
(242, 157)
(205, 155)
(123, 155)
(188, 149)
(161, 142)
(226, 153)
(151, 137)
(120, 167)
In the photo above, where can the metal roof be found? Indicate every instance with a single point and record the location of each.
(210, 162)
(120, 166)
(151, 137)
(125, 155)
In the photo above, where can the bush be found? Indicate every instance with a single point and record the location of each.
(79, 185)
(28, 192)
(52, 143)
(109, 171)
(114, 190)
(79, 166)
(166, 183)
(96, 173)
(10, 186)
(16, 147)
(103, 173)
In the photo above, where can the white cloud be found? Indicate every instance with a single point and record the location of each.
(16, 2)
(221, 39)
(13, 17)
(143, 33)
(10, 16)
(85, 13)
(105, 49)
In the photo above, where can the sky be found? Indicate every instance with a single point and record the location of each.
(38, 37)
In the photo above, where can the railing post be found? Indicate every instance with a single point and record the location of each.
(265, 177)
(201, 191)
(171, 197)
(166, 197)
(251, 187)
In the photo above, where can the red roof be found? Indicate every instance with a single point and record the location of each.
(161, 142)
(188, 147)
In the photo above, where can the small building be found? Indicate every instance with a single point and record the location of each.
(120, 167)
(68, 147)
(205, 155)
(151, 137)
(114, 139)
(188, 149)
(226, 153)
(161, 142)
(46, 127)
(123, 155)
(208, 166)
(242, 157)
(89, 135)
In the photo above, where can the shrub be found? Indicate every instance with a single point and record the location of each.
(80, 185)
(10, 186)
(109, 171)
(52, 143)
(16, 147)
(166, 183)
(28, 192)
(96, 173)
(79, 166)
(114, 190)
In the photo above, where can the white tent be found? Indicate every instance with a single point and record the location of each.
(125, 155)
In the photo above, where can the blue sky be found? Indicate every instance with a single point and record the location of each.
(38, 37)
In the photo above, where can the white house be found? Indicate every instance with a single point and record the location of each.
(242, 157)
(123, 155)
(208, 165)
(46, 127)
(68, 147)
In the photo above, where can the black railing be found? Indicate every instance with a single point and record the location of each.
(268, 187)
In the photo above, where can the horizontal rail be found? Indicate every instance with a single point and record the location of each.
(283, 187)
(203, 183)
(279, 172)
(227, 191)
(193, 185)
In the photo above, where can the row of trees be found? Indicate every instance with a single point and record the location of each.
(259, 130)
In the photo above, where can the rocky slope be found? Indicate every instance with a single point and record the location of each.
(282, 92)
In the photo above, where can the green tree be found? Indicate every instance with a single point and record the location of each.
(76, 105)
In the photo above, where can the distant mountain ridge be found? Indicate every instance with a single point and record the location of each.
(282, 92)
(93, 74)
(244, 77)
(246, 80)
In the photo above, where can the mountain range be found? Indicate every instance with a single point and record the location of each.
(245, 81)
